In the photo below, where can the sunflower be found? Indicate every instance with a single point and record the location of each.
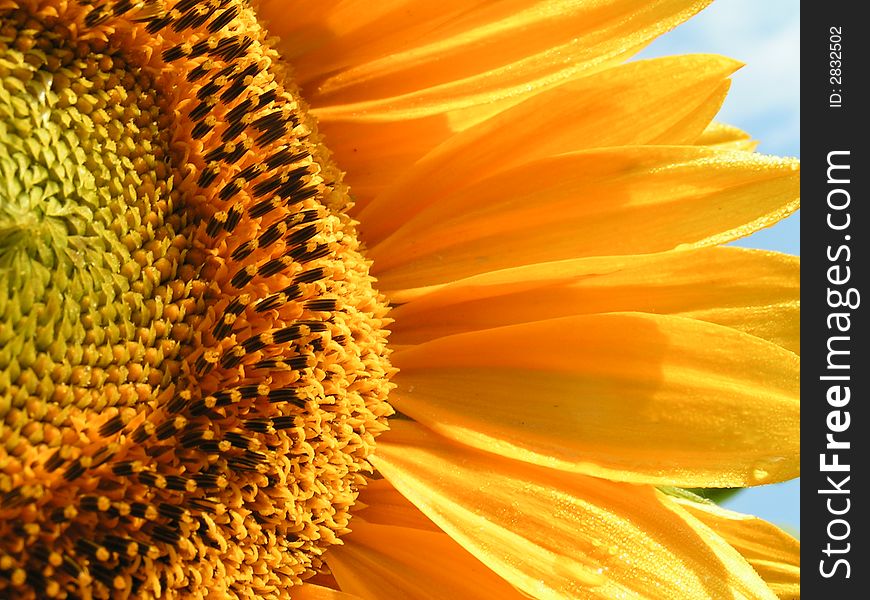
(212, 216)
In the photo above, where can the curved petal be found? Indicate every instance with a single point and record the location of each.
(326, 37)
(308, 591)
(726, 137)
(633, 397)
(343, 44)
(603, 202)
(773, 553)
(380, 503)
(386, 562)
(554, 535)
(662, 101)
(751, 290)
(374, 155)
(351, 53)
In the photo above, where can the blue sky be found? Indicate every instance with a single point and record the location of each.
(765, 101)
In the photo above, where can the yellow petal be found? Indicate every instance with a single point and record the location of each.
(387, 562)
(309, 591)
(380, 503)
(353, 52)
(633, 397)
(554, 535)
(311, 31)
(373, 154)
(667, 100)
(751, 290)
(726, 137)
(774, 554)
(600, 202)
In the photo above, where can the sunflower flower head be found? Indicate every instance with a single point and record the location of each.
(194, 370)
(194, 366)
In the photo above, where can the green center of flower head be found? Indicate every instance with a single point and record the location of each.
(86, 229)
(192, 357)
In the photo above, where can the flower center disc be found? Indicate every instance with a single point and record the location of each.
(193, 364)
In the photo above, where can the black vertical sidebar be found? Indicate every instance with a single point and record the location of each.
(835, 340)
